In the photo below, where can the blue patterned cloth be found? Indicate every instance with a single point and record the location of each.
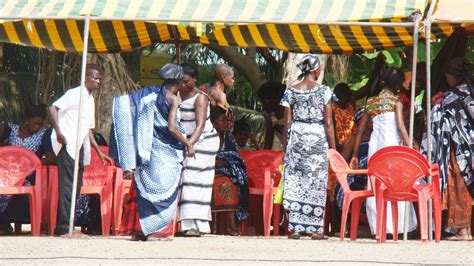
(141, 141)
(356, 182)
(32, 142)
(236, 171)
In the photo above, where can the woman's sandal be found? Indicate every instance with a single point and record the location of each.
(319, 237)
(139, 238)
(192, 233)
(294, 235)
(232, 232)
(458, 237)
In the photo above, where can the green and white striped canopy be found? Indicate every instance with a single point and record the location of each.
(290, 25)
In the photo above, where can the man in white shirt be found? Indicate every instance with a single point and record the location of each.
(64, 115)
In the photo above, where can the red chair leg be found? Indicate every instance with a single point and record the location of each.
(423, 213)
(382, 225)
(117, 206)
(53, 197)
(355, 215)
(105, 217)
(437, 219)
(379, 222)
(267, 203)
(394, 206)
(33, 217)
(345, 212)
(267, 208)
(276, 219)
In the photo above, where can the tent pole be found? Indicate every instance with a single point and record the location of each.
(428, 120)
(79, 125)
(412, 110)
(427, 23)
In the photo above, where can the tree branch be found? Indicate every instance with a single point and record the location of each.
(244, 64)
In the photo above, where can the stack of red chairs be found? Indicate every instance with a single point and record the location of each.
(264, 176)
(97, 179)
(121, 188)
(395, 171)
(16, 164)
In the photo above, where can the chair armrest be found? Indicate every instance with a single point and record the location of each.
(351, 171)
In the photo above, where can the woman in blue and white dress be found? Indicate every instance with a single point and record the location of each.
(308, 116)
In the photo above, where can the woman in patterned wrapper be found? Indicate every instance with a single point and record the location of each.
(452, 142)
(385, 110)
(308, 116)
(152, 156)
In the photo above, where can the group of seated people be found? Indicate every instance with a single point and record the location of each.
(32, 135)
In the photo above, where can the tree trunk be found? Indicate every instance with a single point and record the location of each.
(244, 64)
(116, 81)
(338, 65)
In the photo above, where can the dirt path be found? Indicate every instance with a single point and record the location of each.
(224, 249)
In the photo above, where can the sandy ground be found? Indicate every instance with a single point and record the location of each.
(212, 249)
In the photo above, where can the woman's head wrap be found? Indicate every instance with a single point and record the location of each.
(171, 72)
(307, 64)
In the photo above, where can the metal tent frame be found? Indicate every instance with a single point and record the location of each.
(88, 18)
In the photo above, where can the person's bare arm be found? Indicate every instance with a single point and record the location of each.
(365, 91)
(49, 158)
(200, 111)
(401, 123)
(102, 156)
(346, 150)
(354, 164)
(173, 127)
(287, 118)
(254, 141)
(269, 131)
(329, 126)
(221, 100)
(338, 147)
(53, 118)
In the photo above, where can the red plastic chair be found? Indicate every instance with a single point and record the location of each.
(16, 164)
(97, 179)
(264, 175)
(341, 169)
(396, 170)
(121, 188)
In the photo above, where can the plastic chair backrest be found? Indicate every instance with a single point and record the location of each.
(95, 174)
(407, 150)
(397, 169)
(256, 162)
(16, 164)
(338, 164)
